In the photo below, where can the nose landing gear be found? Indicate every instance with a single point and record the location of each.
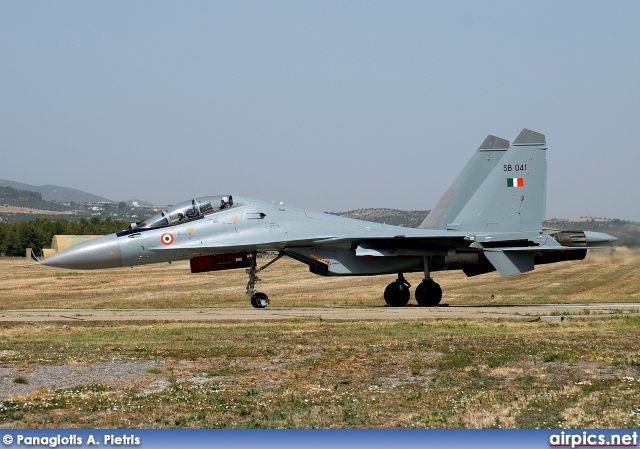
(259, 300)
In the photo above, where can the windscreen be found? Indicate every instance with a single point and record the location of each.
(188, 210)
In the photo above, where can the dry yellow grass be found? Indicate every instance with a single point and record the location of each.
(602, 277)
(313, 373)
(317, 374)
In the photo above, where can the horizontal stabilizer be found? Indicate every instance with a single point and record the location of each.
(510, 263)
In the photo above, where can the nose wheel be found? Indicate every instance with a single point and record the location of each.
(259, 300)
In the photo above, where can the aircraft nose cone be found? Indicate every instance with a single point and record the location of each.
(101, 252)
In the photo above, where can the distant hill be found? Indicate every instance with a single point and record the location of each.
(66, 194)
(406, 218)
(57, 193)
(628, 232)
(10, 196)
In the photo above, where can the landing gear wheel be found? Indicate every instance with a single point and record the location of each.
(259, 300)
(397, 294)
(428, 293)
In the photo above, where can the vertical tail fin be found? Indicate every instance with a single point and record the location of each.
(468, 181)
(512, 198)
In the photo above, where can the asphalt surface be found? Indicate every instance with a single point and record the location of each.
(534, 312)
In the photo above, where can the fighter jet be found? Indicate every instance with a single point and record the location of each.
(489, 219)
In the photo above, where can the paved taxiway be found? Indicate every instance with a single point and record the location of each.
(533, 312)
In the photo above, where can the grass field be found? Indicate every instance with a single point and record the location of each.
(312, 373)
(601, 277)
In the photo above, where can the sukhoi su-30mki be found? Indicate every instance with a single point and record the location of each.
(489, 219)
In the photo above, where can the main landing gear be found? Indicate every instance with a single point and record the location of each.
(428, 293)
(397, 293)
(259, 300)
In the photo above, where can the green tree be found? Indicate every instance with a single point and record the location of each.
(38, 233)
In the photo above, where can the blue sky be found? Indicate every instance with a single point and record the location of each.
(328, 105)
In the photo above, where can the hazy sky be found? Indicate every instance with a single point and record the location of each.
(328, 105)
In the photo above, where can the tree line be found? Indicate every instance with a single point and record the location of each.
(15, 238)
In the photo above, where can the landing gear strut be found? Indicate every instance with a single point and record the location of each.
(259, 300)
(397, 293)
(428, 293)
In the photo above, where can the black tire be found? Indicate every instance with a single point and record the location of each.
(259, 300)
(428, 294)
(397, 294)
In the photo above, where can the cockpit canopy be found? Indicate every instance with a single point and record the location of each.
(187, 211)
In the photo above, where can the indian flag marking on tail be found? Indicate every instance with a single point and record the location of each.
(515, 182)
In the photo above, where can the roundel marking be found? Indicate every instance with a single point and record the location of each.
(166, 239)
